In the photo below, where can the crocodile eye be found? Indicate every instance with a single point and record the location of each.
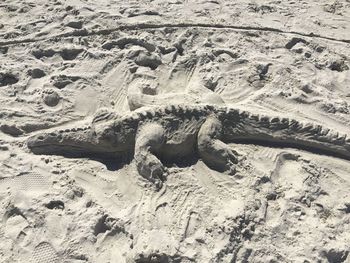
(108, 133)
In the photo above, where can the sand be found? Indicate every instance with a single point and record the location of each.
(62, 61)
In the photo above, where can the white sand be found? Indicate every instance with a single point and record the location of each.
(63, 60)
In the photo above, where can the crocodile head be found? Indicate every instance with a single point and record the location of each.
(68, 142)
(106, 140)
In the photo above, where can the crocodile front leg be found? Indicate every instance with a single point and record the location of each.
(215, 153)
(149, 140)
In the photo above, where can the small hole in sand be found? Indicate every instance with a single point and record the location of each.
(7, 79)
(55, 204)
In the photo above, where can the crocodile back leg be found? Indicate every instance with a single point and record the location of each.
(215, 153)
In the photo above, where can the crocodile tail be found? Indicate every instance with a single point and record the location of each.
(243, 127)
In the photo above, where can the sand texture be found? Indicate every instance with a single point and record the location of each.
(174, 131)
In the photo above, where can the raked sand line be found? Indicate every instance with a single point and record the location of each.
(141, 26)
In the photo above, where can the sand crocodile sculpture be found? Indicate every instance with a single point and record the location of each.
(161, 133)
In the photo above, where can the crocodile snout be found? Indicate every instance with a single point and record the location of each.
(43, 142)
